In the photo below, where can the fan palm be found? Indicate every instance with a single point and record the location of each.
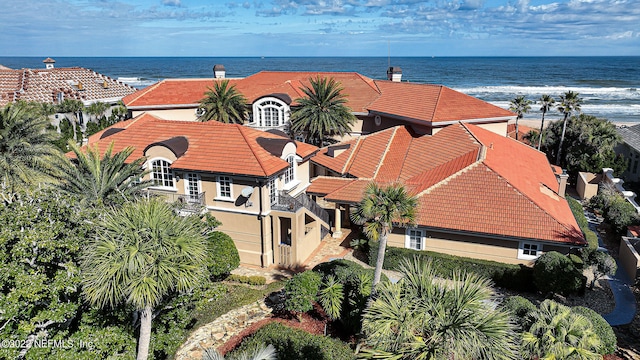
(100, 179)
(143, 252)
(569, 102)
(559, 333)
(520, 106)
(322, 112)
(422, 317)
(379, 209)
(546, 103)
(223, 103)
(25, 147)
(97, 110)
(260, 353)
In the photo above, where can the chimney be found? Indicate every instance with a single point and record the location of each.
(219, 71)
(394, 73)
(562, 182)
(48, 63)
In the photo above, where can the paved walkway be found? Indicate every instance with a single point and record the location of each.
(620, 285)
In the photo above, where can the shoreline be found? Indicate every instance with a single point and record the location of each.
(535, 124)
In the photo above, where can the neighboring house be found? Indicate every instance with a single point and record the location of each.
(630, 149)
(52, 85)
(377, 104)
(252, 181)
(480, 195)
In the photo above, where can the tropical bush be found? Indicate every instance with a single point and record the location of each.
(556, 273)
(297, 344)
(300, 291)
(420, 317)
(521, 309)
(556, 332)
(583, 223)
(616, 211)
(509, 276)
(608, 340)
(222, 255)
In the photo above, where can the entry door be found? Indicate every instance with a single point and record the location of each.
(192, 187)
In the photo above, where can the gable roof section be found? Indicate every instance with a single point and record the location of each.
(466, 178)
(212, 147)
(631, 136)
(43, 85)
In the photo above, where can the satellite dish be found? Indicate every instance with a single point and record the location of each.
(247, 191)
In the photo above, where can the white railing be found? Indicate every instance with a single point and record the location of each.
(615, 184)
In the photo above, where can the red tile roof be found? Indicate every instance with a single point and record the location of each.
(523, 130)
(43, 85)
(407, 101)
(466, 178)
(213, 147)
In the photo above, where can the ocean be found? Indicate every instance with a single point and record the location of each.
(609, 86)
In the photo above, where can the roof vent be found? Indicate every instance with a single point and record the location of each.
(394, 73)
(219, 72)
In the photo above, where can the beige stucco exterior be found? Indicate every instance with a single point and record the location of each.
(629, 257)
(188, 114)
(587, 185)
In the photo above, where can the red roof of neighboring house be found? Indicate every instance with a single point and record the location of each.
(43, 85)
(212, 146)
(523, 130)
(466, 178)
(417, 102)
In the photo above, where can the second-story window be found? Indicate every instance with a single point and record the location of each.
(224, 187)
(273, 191)
(270, 112)
(161, 173)
(290, 173)
(192, 186)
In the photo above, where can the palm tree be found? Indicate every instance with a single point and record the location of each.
(559, 333)
(422, 317)
(520, 106)
(101, 179)
(71, 107)
(97, 110)
(569, 102)
(546, 103)
(322, 112)
(143, 252)
(379, 209)
(259, 353)
(118, 112)
(223, 103)
(25, 147)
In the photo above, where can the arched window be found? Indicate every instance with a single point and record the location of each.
(290, 173)
(161, 173)
(270, 112)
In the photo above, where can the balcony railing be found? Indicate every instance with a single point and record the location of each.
(286, 202)
(187, 202)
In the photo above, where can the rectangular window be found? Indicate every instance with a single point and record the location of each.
(289, 174)
(272, 191)
(529, 251)
(192, 187)
(414, 239)
(224, 187)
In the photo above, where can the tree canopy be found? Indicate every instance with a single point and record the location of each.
(588, 145)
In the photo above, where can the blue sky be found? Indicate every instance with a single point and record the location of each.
(319, 28)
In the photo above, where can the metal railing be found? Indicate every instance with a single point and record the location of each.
(286, 202)
(187, 202)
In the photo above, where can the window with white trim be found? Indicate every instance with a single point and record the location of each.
(161, 173)
(529, 250)
(192, 186)
(270, 112)
(224, 187)
(273, 191)
(290, 173)
(414, 239)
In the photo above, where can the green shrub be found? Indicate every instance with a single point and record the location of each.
(301, 290)
(509, 276)
(297, 344)
(554, 272)
(521, 308)
(608, 341)
(620, 213)
(577, 261)
(222, 255)
(583, 223)
(251, 280)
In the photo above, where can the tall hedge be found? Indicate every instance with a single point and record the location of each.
(222, 255)
(510, 276)
(583, 223)
(297, 344)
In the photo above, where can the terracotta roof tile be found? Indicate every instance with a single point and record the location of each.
(323, 185)
(213, 147)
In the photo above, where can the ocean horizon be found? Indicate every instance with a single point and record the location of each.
(608, 85)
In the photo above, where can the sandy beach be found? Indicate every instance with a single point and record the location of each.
(535, 124)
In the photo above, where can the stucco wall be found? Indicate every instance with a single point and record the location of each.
(629, 257)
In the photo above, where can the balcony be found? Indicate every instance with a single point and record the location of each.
(187, 204)
(255, 125)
